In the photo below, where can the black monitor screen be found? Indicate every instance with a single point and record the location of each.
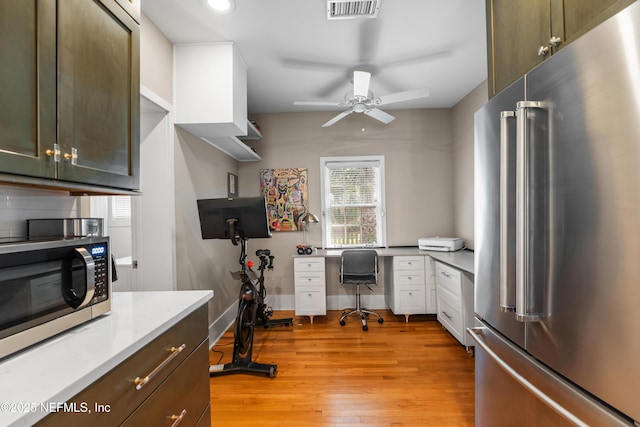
(249, 213)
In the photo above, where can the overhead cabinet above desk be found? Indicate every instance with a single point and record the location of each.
(211, 96)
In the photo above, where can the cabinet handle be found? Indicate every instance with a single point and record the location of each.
(543, 50)
(445, 274)
(178, 418)
(555, 41)
(55, 153)
(446, 315)
(174, 351)
(73, 156)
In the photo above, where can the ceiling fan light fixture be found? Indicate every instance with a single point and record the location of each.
(352, 9)
(221, 6)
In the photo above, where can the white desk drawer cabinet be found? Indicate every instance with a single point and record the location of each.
(454, 290)
(450, 317)
(310, 286)
(405, 290)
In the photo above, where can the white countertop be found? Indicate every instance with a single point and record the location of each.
(462, 259)
(57, 369)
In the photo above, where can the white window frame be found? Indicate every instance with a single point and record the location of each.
(351, 161)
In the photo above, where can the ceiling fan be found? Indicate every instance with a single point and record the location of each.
(362, 100)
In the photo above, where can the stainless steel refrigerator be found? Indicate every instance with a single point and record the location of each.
(557, 244)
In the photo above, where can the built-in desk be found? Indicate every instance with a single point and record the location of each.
(409, 279)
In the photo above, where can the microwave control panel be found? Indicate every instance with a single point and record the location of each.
(99, 253)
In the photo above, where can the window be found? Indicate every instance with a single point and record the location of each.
(353, 201)
(121, 207)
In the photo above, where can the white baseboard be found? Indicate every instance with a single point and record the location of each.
(221, 324)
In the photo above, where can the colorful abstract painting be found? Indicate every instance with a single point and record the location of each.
(286, 194)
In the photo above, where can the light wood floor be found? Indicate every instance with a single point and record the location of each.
(395, 374)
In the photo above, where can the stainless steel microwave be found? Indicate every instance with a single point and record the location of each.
(49, 286)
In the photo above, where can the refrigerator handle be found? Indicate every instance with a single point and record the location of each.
(507, 293)
(524, 292)
(476, 334)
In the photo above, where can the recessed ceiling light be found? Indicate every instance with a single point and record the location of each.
(221, 6)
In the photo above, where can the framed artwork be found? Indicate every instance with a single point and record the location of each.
(232, 185)
(287, 196)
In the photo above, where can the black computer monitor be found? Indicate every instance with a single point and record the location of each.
(241, 217)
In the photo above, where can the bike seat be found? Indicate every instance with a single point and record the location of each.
(263, 252)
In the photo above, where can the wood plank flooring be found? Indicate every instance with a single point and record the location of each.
(396, 374)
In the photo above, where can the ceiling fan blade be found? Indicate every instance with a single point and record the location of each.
(401, 96)
(319, 103)
(337, 118)
(303, 64)
(397, 62)
(361, 80)
(379, 115)
(369, 35)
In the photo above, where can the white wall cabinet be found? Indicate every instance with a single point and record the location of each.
(410, 285)
(454, 290)
(211, 96)
(310, 286)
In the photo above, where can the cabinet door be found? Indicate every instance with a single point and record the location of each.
(28, 87)
(515, 31)
(572, 18)
(98, 93)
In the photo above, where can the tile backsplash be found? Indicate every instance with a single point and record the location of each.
(17, 204)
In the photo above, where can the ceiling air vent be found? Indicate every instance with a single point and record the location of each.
(352, 9)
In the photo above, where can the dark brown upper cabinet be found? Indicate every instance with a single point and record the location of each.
(521, 34)
(70, 73)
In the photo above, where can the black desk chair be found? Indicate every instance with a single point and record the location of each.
(359, 267)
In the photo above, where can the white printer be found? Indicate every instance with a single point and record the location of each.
(444, 244)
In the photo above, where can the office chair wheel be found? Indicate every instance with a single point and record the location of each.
(365, 328)
(342, 323)
(380, 320)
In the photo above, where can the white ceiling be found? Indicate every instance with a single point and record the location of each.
(294, 53)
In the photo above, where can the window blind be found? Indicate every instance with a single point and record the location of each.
(121, 207)
(353, 203)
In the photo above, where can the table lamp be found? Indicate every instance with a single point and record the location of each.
(303, 224)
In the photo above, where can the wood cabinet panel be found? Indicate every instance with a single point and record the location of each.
(28, 82)
(98, 101)
(517, 30)
(70, 75)
(184, 395)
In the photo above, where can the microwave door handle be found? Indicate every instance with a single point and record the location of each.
(507, 293)
(524, 206)
(90, 271)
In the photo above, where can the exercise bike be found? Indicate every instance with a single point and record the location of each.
(252, 312)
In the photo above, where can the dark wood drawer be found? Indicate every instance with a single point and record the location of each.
(117, 392)
(185, 395)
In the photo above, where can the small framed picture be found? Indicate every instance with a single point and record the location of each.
(232, 185)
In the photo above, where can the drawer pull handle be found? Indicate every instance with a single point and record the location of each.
(445, 274)
(446, 315)
(174, 351)
(178, 418)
